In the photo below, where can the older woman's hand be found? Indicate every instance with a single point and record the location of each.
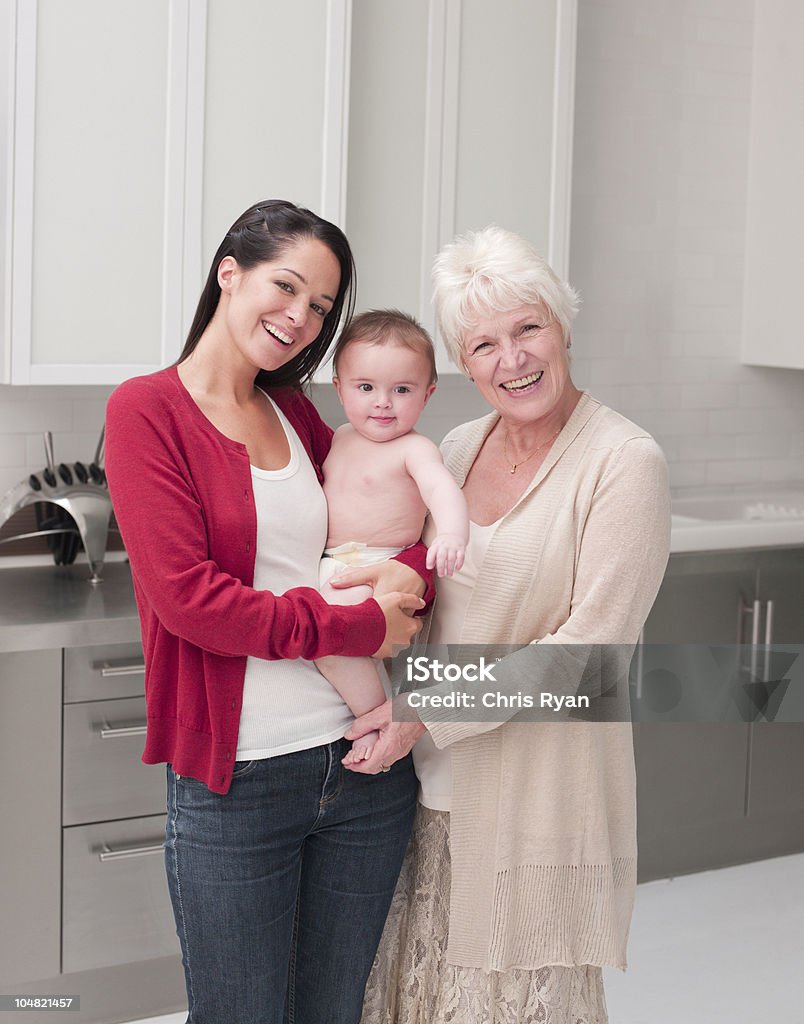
(384, 578)
(396, 738)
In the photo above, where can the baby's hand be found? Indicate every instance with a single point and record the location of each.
(446, 553)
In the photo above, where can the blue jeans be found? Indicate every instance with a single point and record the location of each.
(281, 887)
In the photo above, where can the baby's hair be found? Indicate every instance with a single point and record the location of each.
(383, 327)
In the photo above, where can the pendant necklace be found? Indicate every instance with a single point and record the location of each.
(515, 465)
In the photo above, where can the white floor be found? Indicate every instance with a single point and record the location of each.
(721, 947)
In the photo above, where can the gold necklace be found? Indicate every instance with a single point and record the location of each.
(515, 465)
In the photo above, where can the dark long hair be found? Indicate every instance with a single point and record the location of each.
(261, 235)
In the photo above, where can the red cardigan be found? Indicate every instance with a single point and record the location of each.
(183, 500)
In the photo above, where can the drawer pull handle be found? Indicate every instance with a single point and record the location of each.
(110, 732)
(134, 668)
(107, 853)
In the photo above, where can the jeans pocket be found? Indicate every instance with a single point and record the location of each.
(188, 780)
(242, 768)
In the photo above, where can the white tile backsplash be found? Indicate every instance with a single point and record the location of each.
(74, 415)
(12, 450)
(68, 446)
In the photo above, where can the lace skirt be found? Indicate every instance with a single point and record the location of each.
(412, 983)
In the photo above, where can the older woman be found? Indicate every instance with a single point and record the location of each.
(520, 879)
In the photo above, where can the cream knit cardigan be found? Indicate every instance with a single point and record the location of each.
(543, 819)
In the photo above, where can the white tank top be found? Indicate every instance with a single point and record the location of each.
(288, 705)
(434, 766)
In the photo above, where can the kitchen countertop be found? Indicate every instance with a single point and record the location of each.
(56, 606)
(718, 521)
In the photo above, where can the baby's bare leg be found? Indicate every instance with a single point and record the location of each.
(355, 679)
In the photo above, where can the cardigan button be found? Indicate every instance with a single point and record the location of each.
(234, 704)
(228, 755)
(248, 546)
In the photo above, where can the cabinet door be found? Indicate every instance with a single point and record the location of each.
(104, 778)
(387, 141)
(774, 259)
(274, 118)
(463, 120)
(106, 186)
(691, 772)
(30, 815)
(116, 902)
(704, 599)
(777, 746)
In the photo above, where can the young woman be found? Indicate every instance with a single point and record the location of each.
(280, 863)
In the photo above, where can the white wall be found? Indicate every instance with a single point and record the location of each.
(659, 191)
(659, 210)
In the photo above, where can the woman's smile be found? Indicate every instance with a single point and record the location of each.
(275, 332)
(523, 385)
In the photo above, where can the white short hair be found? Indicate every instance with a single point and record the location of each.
(483, 273)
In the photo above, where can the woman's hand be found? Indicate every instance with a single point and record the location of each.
(396, 738)
(384, 578)
(400, 627)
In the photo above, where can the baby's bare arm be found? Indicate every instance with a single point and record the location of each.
(446, 503)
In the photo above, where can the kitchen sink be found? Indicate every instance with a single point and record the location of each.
(752, 519)
(740, 508)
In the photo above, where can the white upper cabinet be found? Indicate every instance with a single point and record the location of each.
(275, 108)
(103, 109)
(460, 115)
(774, 257)
(138, 130)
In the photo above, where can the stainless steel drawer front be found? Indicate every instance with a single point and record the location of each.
(116, 903)
(99, 673)
(104, 777)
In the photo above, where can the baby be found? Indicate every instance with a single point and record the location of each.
(381, 478)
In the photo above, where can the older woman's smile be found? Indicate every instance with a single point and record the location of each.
(522, 383)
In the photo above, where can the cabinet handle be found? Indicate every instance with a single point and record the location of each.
(756, 612)
(769, 623)
(107, 853)
(768, 637)
(134, 668)
(109, 732)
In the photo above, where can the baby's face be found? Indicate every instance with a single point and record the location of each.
(382, 388)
